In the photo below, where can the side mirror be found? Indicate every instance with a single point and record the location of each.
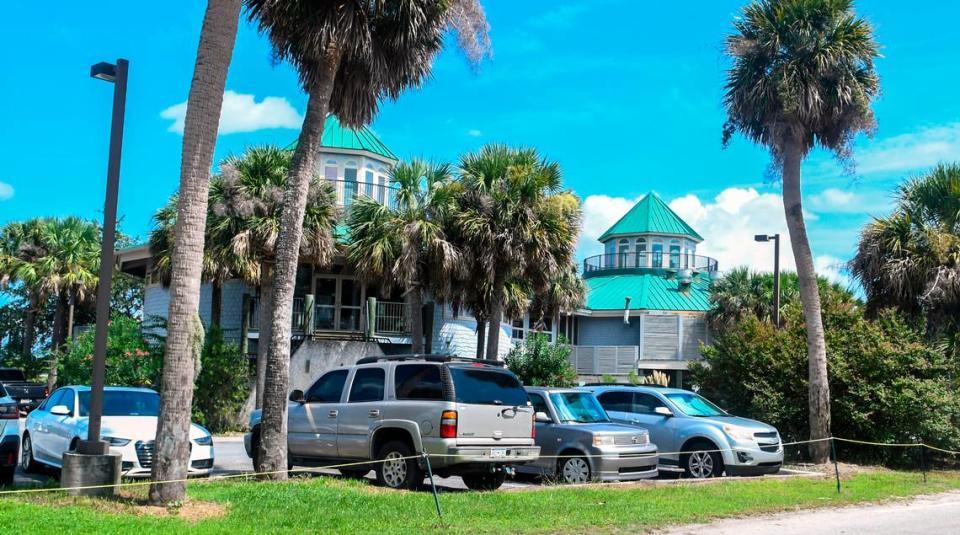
(297, 396)
(60, 410)
(663, 411)
(543, 418)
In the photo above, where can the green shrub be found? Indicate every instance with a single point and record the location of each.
(130, 360)
(887, 384)
(223, 384)
(539, 363)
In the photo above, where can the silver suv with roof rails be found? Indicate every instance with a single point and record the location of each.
(693, 434)
(473, 415)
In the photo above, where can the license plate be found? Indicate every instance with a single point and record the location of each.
(498, 453)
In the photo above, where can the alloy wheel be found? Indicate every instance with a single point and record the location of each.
(26, 455)
(700, 464)
(394, 469)
(576, 470)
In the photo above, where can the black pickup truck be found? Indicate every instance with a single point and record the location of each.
(27, 395)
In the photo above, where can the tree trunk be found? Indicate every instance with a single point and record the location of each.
(29, 326)
(496, 318)
(819, 387)
(481, 335)
(216, 303)
(172, 450)
(59, 327)
(70, 311)
(415, 304)
(273, 422)
(264, 308)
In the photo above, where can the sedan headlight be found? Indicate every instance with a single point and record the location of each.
(205, 440)
(114, 441)
(738, 433)
(603, 440)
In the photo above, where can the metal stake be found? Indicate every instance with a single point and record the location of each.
(433, 486)
(836, 467)
(923, 461)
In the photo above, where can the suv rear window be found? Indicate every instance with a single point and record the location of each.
(484, 386)
(418, 381)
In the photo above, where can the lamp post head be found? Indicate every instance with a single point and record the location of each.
(104, 71)
(761, 237)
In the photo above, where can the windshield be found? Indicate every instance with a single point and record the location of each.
(580, 407)
(10, 375)
(483, 386)
(694, 405)
(123, 403)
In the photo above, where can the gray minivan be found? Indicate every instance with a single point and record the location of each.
(473, 415)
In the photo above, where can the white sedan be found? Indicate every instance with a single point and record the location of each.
(129, 424)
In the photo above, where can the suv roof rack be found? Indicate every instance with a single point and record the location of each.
(430, 358)
(626, 384)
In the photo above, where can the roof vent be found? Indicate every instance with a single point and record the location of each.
(685, 278)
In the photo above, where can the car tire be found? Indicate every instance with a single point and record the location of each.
(6, 475)
(27, 461)
(486, 481)
(396, 469)
(700, 462)
(574, 470)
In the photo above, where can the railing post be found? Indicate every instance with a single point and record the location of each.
(371, 317)
(309, 308)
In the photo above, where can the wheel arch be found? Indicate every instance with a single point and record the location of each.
(403, 430)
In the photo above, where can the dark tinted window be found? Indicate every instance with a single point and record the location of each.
(367, 385)
(55, 399)
(68, 400)
(11, 375)
(616, 401)
(3, 393)
(484, 386)
(646, 403)
(418, 381)
(123, 403)
(328, 388)
(539, 405)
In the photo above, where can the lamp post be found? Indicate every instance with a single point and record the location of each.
(776, 273)
(116, 74)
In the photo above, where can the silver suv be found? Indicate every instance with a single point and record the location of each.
(710, 441)
(579, 443)
(472, 414)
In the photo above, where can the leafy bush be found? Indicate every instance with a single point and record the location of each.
(887, 384)
(539, 363)
(130, 360)
(222, 385)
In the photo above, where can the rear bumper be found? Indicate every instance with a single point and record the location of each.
(447, 453)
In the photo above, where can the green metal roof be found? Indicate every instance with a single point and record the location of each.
(647, 291)
(337, 136)
(651, 215)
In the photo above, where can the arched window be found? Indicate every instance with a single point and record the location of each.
(349, 182)
(674, 253)
(623, 248)
(642, 252)
(656, 250)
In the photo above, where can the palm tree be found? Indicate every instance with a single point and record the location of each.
(408, 242)
(910, 259)
(245, 205)
(21, 246)
(565, 292)
(513, 210)
(172, 457)
(350, 55)
(802, 76)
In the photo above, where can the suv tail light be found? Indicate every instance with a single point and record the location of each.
(9, 411)
(448, 424)
(533, 425)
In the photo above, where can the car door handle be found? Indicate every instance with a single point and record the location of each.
(332, 414)
(374, 413)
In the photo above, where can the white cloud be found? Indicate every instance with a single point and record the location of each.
(242, 113)
(6, 191)
(473, 132)
(833, 269)
(835, 200)
(561, 17)
(912, 151)
(727, 224)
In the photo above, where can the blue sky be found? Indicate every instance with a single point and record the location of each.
(625, 95)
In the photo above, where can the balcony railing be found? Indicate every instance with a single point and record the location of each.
(296, 320)
(392, 318)
(647, 260)
(349, 190)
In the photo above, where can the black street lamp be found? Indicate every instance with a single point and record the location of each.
(116, 74)
(776, 273)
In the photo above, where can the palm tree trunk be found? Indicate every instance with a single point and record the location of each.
(273, 422)
(72, 307)
(415, 304)
(819, 387)
(496, 318)
(59, 327)
(216, 303)
(172, 457)
(264, 307)
(481, 334)
(29, 325)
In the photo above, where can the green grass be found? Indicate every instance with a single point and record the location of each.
(331, 505)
